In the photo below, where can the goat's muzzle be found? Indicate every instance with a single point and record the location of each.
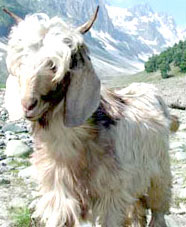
(30, 107)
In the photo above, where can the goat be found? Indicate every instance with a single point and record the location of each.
(100, 155)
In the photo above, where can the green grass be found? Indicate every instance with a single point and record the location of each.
(175, 162)
(18, 163)
(2, 86)
(139, 77)
(178, 200)
(21, 217)
(155, 77)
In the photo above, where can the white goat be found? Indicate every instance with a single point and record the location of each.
(102, 158)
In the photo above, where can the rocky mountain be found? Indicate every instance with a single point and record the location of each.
(156, 30)
(121, 39)
(3, 70)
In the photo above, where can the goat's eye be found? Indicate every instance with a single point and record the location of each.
(53, 69)
(52, 66)
(68, 42)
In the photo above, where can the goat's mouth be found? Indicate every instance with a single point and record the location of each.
(33, 117)
(36, 114)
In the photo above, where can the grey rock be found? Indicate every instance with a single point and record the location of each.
(27, 172)
(8, 133)
(24, 136)
(12, 137)
(4, 112)
(2, 157)
(17, 148)
(180, 156)
(17, 203)
(2, 143)
(1, 133)
(176, 144)
(171, 222)
(182, 193)
(13, 128)
(3, 168)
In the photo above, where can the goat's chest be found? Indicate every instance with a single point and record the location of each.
(87, 169)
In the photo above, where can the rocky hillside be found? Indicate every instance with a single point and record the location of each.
(3, 69)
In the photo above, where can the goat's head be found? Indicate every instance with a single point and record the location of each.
(52, 65)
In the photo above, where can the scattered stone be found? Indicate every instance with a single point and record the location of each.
(17, 203)
(176, 144)
(27, 172)
(180, 156)
(182, 193)
(2, 143)
(4, 112)
(17, 148)
(183, 126)
(171, 222)
(181, 134)
(178, 211)
(3, 168)
(2, 133)
(12, 137)
(179, 181)
(24, 136)
(13, 128)
(2, 157)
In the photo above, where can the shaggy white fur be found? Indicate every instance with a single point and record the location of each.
(114, 164)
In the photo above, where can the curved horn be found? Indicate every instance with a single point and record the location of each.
(86, 27)
(15, 17)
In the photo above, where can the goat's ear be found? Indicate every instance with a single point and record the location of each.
(83, 94)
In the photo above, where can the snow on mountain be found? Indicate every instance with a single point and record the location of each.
(121, 39)
(156, 30)
(120, 17)
(134, 35)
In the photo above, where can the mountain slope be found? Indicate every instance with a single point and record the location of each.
(156, 30)
(121, 38)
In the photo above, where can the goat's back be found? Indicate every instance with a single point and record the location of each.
(138, 131)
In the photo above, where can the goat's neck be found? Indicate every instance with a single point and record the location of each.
(65, 144)
(61, 161)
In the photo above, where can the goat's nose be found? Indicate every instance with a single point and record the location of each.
(29, 104)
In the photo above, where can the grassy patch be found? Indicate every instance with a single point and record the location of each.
(178, 200)
(123, 81)
(21, 217)
(18, 163)
(2, 86)
(155, 77)
(174, 161)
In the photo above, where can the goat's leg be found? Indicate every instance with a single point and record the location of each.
(157, 220)
(111, 214)
(128, 216)
(158, 199)
(112, 218)
(136, 216)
